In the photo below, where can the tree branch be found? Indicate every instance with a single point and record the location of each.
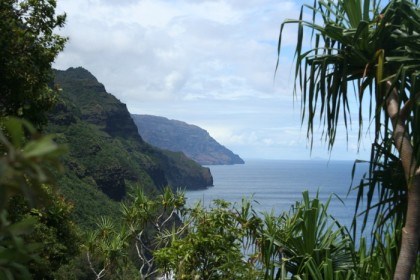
(401, 138)
(99, 274)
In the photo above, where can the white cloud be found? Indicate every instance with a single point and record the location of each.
(206, 62)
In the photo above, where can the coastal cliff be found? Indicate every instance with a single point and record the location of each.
(195, 142)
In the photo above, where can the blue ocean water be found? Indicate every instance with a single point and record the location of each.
(277, 184)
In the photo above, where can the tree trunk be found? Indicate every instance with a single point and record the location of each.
(411, 231)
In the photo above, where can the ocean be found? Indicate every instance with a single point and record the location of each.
(276, 184)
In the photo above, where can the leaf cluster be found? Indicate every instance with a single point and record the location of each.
(356, 43)
(25, 169)
(28, 46)
(227, 241)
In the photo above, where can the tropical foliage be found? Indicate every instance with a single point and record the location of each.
(156, 234)
(212, 245)
(31, 214)
(223, 241)
(25, 171)
(231, 241)
(28, 46)
(364, 49)
(53, 230)
(312, 244)
(117, 250)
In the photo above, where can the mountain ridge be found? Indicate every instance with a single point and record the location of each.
(174, 135)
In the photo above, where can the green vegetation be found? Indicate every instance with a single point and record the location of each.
(373, 49)
(35, 226)
(28, 46)
(106, 154)
(224, 241)
(53, 228)
(233, 241)
(93, 203)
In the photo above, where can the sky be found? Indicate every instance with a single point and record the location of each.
(210, 63)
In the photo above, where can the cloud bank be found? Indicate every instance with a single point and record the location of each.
(206, 62)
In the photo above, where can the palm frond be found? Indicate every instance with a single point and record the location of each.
(364, 44)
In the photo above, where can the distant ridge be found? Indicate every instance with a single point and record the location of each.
(195, 142)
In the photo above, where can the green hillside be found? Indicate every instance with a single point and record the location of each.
(107, 158)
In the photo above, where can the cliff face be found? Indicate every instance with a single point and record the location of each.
(94, 104)
(105, 150)
(193, 141)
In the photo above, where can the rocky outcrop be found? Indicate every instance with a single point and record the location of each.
(195, 142)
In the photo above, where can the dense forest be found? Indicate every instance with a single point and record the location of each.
(82, 196)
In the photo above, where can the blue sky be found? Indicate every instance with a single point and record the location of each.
(209, 63)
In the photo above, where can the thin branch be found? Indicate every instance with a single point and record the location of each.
(169, 217)
(145, 261)
(143, 245)
(99, 274)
